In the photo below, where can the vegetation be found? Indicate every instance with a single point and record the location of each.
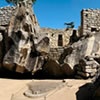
(69, 25)
(17, 1)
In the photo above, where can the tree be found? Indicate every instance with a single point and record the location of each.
(69, 25)
(17, 1)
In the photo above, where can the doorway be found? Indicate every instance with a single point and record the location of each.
(60, 40)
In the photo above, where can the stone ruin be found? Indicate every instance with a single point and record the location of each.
(5, 15)
(90, 21)
(24, 40)
(55, 53)
(25, 47)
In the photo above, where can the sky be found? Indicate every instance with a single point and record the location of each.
(54, 13)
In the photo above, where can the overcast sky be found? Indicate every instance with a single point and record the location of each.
(54, 13)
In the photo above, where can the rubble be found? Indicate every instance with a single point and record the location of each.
(87, 67)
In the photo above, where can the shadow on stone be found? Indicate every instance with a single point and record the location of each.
(85, 92)
(6, 74)
(40, 75)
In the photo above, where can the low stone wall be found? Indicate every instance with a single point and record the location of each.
(5, 14)
(55, 53)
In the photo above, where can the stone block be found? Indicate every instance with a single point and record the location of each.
(90, 70)
(86, 75)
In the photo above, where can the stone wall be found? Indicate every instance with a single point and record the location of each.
(53, 35)
(5, 14)
(55, 53)
(90, 21)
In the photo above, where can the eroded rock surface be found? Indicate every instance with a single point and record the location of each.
(20, 47)
(85, 47)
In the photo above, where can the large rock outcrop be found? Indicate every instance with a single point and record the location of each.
(20, 50)
(86, 47)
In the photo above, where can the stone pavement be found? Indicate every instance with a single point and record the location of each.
(10, 86)
(71, 90)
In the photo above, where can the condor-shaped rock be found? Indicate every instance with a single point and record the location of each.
(21, 54)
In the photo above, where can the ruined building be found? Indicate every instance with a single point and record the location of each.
(90, 21)
(59, 39)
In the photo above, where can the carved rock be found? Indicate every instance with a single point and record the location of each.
(20, 46)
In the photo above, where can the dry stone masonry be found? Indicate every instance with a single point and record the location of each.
(58, 37)
(5, 14)
(90, 21)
